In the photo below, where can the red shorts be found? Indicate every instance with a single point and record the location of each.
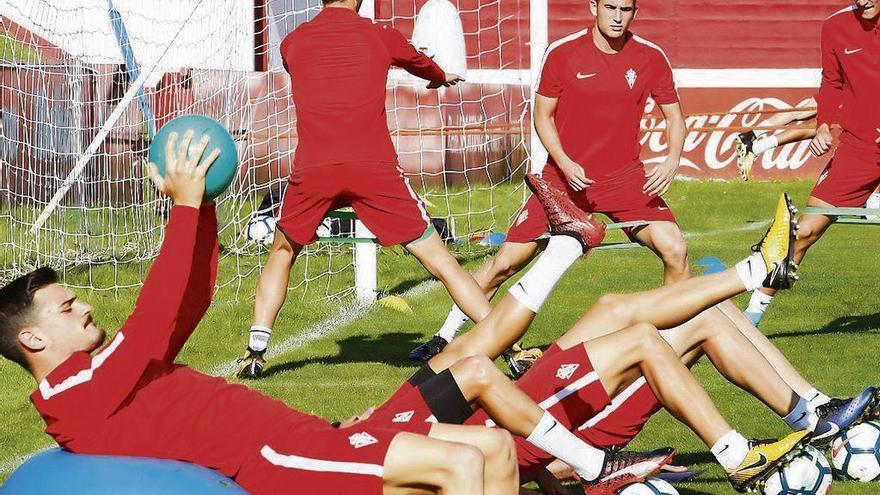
(406, 410)
(623, 419)
(620, 198)
(319, 460)
(849, 178)
(379, 193)
(563, 383)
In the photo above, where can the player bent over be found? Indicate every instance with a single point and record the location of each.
(338, 65)
(129, 398)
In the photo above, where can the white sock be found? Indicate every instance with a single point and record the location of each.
(765, 143)
(816, 398)
(802, 416)
(454, 321)
(259, 338)
(759, 302)
(731, 450)
(553, 438)
(536, 285)
(752, 271)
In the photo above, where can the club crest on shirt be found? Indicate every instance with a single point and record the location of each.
(566, 370)
(361, 439)
(631, 78)
(403, 417)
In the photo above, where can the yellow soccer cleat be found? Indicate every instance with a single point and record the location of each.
(763, 459)
(777, 246)
(745, 158)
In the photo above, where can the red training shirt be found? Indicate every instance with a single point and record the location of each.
(130, 399)
(851, 78)
(338, 64)
(602, 98)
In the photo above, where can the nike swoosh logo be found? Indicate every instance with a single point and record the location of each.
(803, 415)
(849, 51)
(551, 427)
(762, 461)
(585, 76)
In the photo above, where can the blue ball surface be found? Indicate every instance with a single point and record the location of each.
(57, 471)
(225, 167)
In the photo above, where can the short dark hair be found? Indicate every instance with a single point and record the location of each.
(16, 303)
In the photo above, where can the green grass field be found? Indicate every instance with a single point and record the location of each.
(828, 327)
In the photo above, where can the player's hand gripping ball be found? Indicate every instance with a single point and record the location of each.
(224, 168)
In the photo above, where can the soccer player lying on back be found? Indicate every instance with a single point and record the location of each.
(131, 399)
(565, 383)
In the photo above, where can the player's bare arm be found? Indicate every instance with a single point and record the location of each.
(660, 177)
(545, 124)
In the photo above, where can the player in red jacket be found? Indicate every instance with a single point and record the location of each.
(850, 78)
(129, 398)
(338, 65)
(590, 99)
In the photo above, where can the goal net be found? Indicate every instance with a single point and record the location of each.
(85, 84)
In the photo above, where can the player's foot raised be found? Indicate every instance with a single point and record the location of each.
(762, 460)
(251, 365)
(625, 468)
(565, 218)
(777, 247)
(429, 349)
(845, 413)
(745, 157)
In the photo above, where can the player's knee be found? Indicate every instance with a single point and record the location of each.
(674, 251)
(614, 305)
(465, 462)
(503, 267)
(503, 452)
(649, 338)
(476, 371)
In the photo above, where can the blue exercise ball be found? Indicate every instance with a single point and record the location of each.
(57, 471)
(225, 167)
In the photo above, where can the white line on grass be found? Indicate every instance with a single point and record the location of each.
(342, 317)
(18, 459)
(744, 228)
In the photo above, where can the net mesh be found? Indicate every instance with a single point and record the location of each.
(68, 93)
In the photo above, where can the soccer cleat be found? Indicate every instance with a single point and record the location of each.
(429, 349)
(251, 365)
(565, 218)
(625, 468)
(745, 157)
(520, 360)
(762, 460)
(844, 413)
(777, 247)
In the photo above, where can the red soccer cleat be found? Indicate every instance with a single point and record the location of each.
(626, 468)
(565, 218)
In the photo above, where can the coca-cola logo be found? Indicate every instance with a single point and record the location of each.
(709, 144)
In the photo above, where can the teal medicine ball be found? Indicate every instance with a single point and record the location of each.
(225, 167)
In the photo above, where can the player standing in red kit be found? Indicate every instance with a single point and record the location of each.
(850, 86)
(588, 108)
(338, 65)
(130, 398)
